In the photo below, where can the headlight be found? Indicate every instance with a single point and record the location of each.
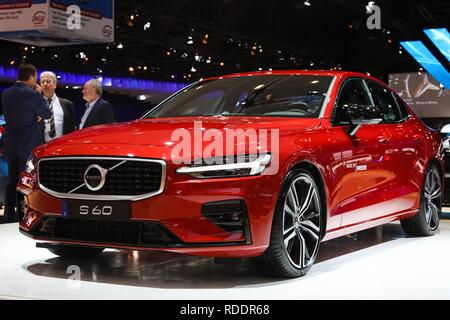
(249, 166)
(29, 168)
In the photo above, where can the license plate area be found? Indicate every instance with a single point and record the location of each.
(96, 210)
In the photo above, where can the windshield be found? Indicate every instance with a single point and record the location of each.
(299, 96)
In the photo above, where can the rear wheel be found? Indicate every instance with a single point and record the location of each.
(426, 221)
(296, 228)
(75, 251)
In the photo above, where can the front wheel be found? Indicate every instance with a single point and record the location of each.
(426, 221)
(296, 228)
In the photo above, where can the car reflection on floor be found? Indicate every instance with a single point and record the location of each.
(167, 270)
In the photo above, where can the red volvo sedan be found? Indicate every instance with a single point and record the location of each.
(265, 165)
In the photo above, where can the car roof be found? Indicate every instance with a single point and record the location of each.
(332, 73)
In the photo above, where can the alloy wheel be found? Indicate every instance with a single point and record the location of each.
(432, 198)
(302, 222)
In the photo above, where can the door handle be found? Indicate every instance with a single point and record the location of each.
(383, 140)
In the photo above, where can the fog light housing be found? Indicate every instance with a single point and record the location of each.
(229, 215)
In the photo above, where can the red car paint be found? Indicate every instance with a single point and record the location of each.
(394, 156)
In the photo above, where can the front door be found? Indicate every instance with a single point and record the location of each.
(362, 162)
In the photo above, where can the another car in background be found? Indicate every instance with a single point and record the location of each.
(445, 133)
(3, 165)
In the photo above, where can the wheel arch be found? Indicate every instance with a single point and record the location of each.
(439, 166)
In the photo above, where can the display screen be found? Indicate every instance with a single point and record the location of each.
(423, 93)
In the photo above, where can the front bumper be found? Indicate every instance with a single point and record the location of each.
(173, 221)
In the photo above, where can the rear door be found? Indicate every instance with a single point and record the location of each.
(408, 150)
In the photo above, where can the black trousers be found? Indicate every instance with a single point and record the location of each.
(16, 164)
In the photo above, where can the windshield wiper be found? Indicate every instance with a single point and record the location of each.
(257, 92)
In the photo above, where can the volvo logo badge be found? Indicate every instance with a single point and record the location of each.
(95, 177)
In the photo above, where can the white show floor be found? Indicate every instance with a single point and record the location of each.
(381, 263)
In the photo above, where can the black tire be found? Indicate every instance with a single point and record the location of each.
(64, 251)
(426, 222)
(278, 259)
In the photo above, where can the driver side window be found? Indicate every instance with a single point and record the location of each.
(353, 92)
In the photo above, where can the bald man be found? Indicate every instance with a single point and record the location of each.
(98, 111)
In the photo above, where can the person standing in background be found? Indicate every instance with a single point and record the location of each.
(62, 121)
(98, 111)
(23, 107)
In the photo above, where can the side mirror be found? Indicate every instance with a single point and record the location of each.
(360, 115)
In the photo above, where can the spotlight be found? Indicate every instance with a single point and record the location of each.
(307, 3)
(205, 39)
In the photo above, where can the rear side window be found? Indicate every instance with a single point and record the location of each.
(402, 106)
(385, 100)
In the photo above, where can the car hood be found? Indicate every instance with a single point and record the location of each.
(158, 134)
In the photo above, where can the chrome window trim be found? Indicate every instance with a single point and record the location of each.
(369, 93)
(327, 98)
(338, 96)
(105, 197)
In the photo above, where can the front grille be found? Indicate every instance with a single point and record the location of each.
(130, 233)
(127, 177)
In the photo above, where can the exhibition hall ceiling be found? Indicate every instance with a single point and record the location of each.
(185, 40)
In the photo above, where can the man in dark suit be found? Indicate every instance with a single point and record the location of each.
(98, 111)
(62, 121)
(23, 107)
